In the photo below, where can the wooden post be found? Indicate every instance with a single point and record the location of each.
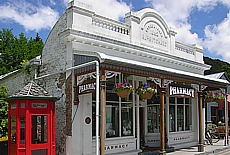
(200, 101)
(76, 99)
(162, 128)
(103, 105)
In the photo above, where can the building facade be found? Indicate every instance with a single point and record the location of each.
(141, 50)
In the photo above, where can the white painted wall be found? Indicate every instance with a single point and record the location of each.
(82, 132)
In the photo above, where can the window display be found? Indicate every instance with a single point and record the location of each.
(153, 117)
(180, 114)
(119, 111)
(127, 119)
(112, 120)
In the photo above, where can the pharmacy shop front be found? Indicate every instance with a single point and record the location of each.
(132, 124)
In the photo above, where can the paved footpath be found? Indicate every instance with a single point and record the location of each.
(215, 149)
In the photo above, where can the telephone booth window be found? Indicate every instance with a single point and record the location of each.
(22, 105)
(39, 129)
(22, 130)
(13, 129)
(13, 106)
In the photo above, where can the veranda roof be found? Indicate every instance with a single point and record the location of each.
(129, 65)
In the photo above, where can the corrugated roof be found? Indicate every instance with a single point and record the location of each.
(215, 75)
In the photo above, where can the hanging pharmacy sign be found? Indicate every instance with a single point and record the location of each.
(181, 91)
(88, 86)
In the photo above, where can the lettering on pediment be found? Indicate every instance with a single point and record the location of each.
(152, 35)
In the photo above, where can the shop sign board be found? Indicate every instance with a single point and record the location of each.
(181, 91)
(116, 146)
(88, 86)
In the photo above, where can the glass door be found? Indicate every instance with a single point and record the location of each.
(40, 134)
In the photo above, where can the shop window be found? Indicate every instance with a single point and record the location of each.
(180, 118)
(119, 112)
(22, 129)
(153, 118)
(112, 120)
(172, 117)
(188, 117)
(153, 112)
(127, 119)
(180, 114)
(13, 129)
(214, 115)
(39, 129)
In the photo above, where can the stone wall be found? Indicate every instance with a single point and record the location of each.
(15, 81)
(54, 61)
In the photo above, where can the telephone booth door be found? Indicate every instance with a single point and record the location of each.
(40, 133)
(40, 130)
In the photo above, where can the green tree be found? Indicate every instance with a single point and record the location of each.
(3, 112)
(14, 50)
(226, 69)
(7, 40)
(217, 66)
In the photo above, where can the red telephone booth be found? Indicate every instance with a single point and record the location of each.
(31, 122)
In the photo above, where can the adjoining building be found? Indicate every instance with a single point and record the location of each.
(141, 50)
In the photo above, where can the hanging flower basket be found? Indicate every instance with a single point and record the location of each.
(123, 93)
(214, 96)
(209, 99)
(146, 91)
(123, 89)
(146, 95)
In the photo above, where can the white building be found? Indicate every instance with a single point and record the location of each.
(141, 50)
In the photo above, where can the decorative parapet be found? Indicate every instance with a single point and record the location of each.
(110, 24)
(79, 4)
(185, 48)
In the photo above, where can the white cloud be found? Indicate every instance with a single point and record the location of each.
(52, 2)
(177, 16)
(218, 37)
(109, 8)
(31, 17)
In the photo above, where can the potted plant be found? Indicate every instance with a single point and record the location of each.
(218, 97)
(214, 96)
(145, 91)
(209, 96)
(123, 89)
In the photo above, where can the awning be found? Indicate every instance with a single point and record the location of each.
(119, 63)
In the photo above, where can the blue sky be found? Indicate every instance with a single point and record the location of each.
(202, 22)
